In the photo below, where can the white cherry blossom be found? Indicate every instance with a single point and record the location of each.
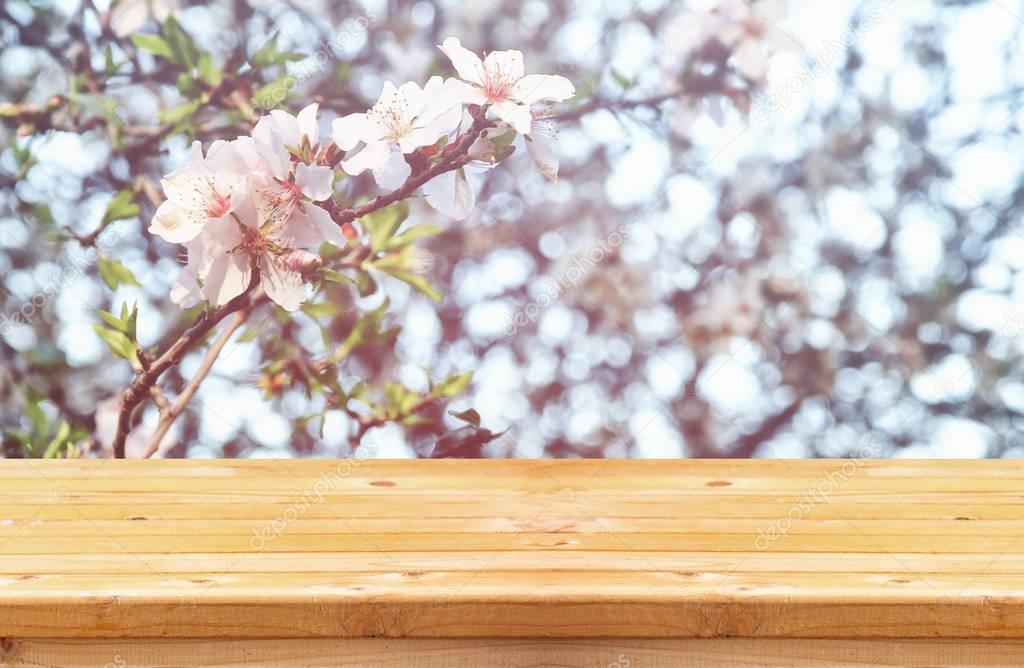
(283, 186)
(451, 193)
(232, 247)
(250, 205)
(403, 119)
(204, 189)
(500, 81)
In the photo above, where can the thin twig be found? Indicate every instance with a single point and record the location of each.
(146, 378)
(596, 104)
(169, 414)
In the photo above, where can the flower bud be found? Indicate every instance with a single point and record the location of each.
(302, 261)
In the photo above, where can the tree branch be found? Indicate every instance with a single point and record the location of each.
(596, 104)
(140, 388)
(454, 158)
(169, 413)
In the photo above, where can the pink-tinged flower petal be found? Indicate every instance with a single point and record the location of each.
(457, 92)
(221, 236)
(185, 292)
(503, 66)
(466, 63)
(308, 125)
(543, 151)
(451, 194)
(226, 277)
(281, 283)
(537, 87)
(371, 156)
(419, 137)
(393, 172)
(271, 135)
(412, 97)
(325, 225)
(437, 100)
(349, 131)
(250, 155)
(172, 224)
(315, 181)
(298, 231)
(515, 114)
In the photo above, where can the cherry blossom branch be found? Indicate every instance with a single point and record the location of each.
(597, 104)
(146, 379)
(171, 412)
(454, 158)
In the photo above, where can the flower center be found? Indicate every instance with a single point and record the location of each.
(277, 200)
(253, 242)
(217, 205)
(393, 117)
(497, 83)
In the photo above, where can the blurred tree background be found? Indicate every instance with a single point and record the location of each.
(772, 234)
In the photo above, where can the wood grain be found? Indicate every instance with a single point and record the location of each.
(590, 653)
(354, 551)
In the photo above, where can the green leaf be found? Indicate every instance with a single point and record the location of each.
(183, 49)
(132, 321)
(36, 416)
(59, 440)
(320, 309)
(453, 385)
(118, 343)
(114, 321)
(273, 94)
(179, 113)
(411, 235)
(469, 415)
(208, 70)
(264, 56)
(115, 274)
(120, 207)
(366, 330)
(126, 323)
(268, 55)
(337, 277)
(110, 67)
(186, 84)
(383, 224)
(153, 44)
(419, 283)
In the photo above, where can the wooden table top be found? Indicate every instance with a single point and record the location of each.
(516, 549)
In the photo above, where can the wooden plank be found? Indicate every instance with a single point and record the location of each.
(589, 653)
(513, 549)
